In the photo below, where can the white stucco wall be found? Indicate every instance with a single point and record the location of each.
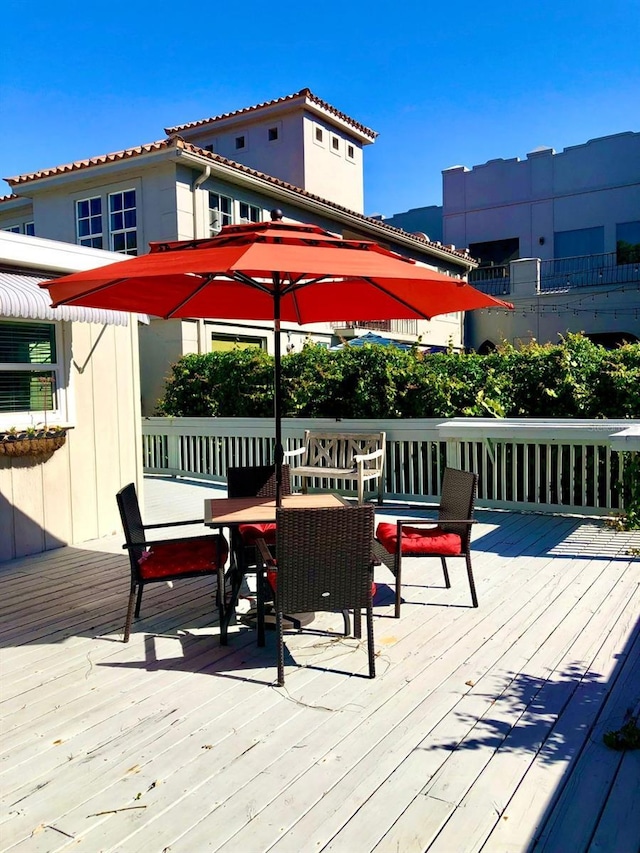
(597, 183)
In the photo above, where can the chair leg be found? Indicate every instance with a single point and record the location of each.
(360, 492)
(260, 612)
(222, 609)
(472, 585)
(139, 600)
(398, 573)
(127, 624)
(445, 571)
(357, 623)
(347, 623)
(370, 642)
(280, 636)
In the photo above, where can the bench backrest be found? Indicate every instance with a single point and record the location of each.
(336, 449)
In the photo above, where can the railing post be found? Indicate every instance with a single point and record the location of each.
(454, 453)
(173, 454)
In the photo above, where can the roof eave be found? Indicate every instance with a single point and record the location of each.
(298, 198)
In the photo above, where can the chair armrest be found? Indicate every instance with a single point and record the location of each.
(416, 522)
(130, 546)
(173, 524)
(364, 457)
(288, 454)
(265, 554)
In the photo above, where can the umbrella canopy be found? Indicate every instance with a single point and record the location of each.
(271, 271)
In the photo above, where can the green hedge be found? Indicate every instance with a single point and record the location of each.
(575, 378)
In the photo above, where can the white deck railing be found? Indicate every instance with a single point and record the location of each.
(529, 464)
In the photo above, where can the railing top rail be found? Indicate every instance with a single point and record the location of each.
(559, 429)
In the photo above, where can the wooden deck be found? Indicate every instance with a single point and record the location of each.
(482, 731)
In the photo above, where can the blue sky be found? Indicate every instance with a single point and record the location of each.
(443, 84)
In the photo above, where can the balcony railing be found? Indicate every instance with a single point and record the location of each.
(404, 327)
(527, 464)
(493, 280)
(586, 271)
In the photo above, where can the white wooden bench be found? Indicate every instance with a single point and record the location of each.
(341, 456)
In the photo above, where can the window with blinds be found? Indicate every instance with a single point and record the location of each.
(28, 367)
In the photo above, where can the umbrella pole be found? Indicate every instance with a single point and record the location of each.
(277, 400)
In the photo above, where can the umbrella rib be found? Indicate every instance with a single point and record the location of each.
(188, 298)
(246, 279)
(70, 300)
(406, 304)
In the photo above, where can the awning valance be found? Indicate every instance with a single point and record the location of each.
(21, 297)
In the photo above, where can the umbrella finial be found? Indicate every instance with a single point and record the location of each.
(276, 215)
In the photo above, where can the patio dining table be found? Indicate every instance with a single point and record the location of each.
(232, 512)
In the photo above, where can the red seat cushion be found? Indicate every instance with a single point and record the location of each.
(417, 540)
(250, 533)
(190, 555)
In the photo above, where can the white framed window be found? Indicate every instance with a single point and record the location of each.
(226, 343)
(123, 230)
(335, 144)
(240, 142)
(350, 152)
(30, 390)
(318, 135)
(23, 228)
(220, 212)
(249, 212)
(89, 222)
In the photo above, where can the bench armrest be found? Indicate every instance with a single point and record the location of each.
(365, 457)
(288, 454)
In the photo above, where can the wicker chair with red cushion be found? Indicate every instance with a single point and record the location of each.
(165, 559)
(251, 481)
(447, 536)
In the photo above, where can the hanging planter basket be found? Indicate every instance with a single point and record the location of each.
(40, 443)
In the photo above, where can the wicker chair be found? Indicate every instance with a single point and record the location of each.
(324, 563)
(152, 561)
(249, 482)
(447, 536)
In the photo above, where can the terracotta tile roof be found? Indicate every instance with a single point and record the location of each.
(303, 93)
(91, 161)
(176, 142)
(12, 197)
(194, 149)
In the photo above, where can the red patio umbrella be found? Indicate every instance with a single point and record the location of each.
(271, 271)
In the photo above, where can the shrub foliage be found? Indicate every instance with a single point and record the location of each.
(572, 379)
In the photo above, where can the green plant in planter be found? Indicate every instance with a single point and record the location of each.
(38, 440)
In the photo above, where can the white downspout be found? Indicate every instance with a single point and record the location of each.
(199, 181)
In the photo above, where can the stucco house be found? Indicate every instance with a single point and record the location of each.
(558, 234)
(296, 153)
(70, 367)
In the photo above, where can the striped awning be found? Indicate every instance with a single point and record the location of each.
(21, 297)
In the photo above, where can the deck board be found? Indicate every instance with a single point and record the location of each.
(478, 733)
